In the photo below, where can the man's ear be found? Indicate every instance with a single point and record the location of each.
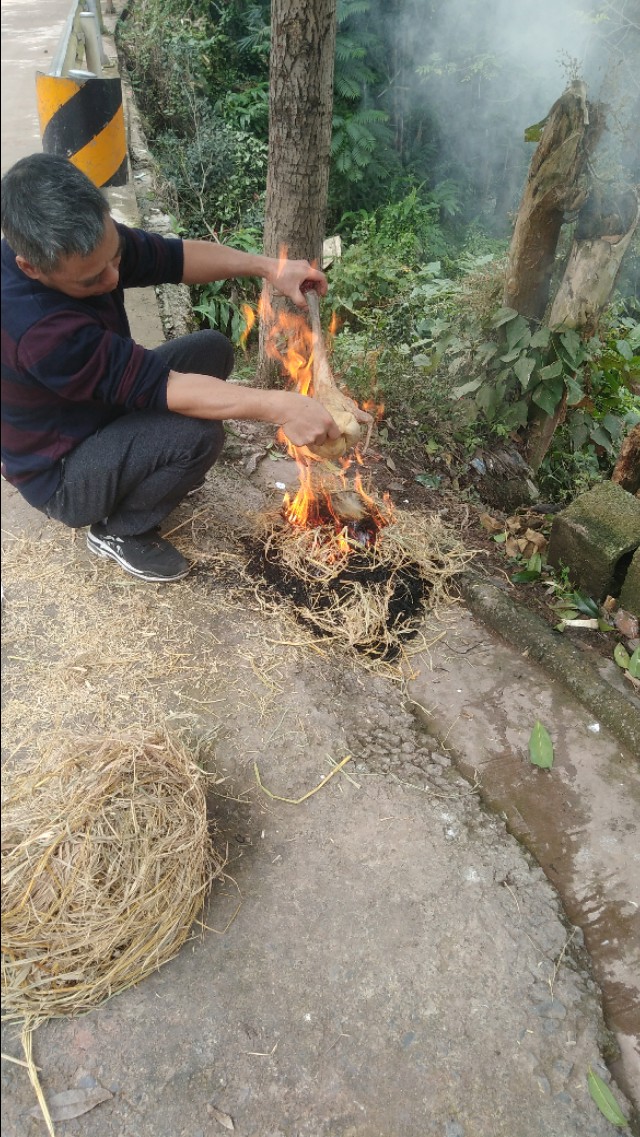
(27, 268)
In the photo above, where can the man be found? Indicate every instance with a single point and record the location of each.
(96, 429)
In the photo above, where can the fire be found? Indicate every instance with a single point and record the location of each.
(325, 496)
(249, 321)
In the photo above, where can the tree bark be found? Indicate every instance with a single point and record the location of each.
(556, 185)
(603, 234)
(627, 468)
(303, 36)
(601, 241)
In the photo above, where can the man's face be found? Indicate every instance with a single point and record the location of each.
(80, 277)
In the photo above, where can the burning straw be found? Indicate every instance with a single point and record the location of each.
(364, 580)
(106, 862)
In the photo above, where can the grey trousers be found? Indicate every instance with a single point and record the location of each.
(132, 473)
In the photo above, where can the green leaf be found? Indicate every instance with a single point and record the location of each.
(625, 349)
(541, 747)
(503, 316)
(500, 538)
(517, 332)
(634, 664)
(466, 388)
(523, 369)
(600, 435)
(541, 338)
(605, 1100)
(551, 371)
(548, 395)
(621, 656)
(585, 604)
(534, 564)
(575, 392)
(573, 348)
(526, 576)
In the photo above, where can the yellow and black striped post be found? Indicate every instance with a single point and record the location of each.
(82, 119)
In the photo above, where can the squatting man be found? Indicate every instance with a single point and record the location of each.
(97, 430)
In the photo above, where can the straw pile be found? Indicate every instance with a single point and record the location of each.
(106, 862)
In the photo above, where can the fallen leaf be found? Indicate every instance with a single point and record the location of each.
(541, 747)
(513, 524)
(511, 547)
(223, 1118)
(391, 464)
(491, 524)
(605, 1100)
(537, 539)
(73, 1103)
(626, 623)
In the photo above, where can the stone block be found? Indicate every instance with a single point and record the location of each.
(630, 591)
(595, 538)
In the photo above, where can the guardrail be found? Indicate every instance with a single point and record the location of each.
(80, 110)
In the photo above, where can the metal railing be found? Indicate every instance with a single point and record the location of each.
(80, 53)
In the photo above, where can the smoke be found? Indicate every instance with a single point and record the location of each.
(485, 70)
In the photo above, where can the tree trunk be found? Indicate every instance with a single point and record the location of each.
(602, 238)
(603, 234)
(555, 186)
(303, 36)
(627, 468)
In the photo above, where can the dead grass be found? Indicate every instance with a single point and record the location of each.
(106, 862)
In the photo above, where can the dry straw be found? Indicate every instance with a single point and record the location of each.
(106, 862)
(416, 558)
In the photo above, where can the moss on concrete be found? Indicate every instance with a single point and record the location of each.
(594, 537)
(556, 655)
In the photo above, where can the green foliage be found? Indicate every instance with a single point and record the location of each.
(220, 304)
(216, 173)
(519, 364)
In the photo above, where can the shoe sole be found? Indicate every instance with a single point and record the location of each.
(96, 547)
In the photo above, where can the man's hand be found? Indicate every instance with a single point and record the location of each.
(287, 277)
(303, 420)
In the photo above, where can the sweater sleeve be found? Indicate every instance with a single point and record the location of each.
(79, 360)
(148, 258)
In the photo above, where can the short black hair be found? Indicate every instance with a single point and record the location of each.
(51, 210)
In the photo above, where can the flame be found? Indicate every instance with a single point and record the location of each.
(249, 321)
(289, 341)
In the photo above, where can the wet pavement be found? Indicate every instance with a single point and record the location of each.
(581, 820)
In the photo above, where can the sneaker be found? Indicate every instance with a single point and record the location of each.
(147, 556)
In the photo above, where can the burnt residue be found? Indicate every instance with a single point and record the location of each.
(408, 592)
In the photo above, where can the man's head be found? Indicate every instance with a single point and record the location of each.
(58, 224)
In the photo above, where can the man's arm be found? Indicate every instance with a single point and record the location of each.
(205, 261)
(303, 420)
